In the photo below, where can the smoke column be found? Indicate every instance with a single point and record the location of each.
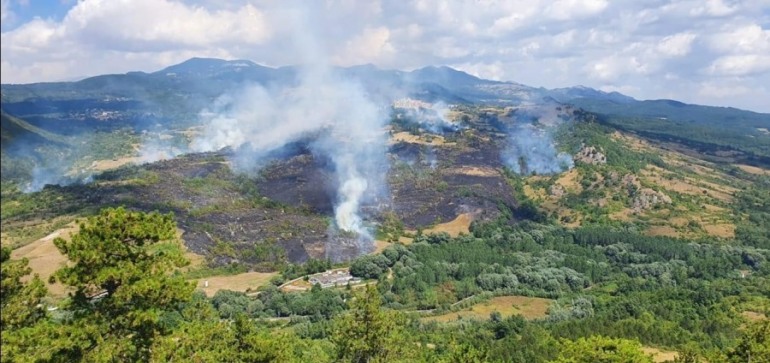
(531, 148)
(334, 112)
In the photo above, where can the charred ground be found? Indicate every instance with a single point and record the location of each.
(283, 212)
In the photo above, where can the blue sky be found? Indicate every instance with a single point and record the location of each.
(714, 52)
(23, 11)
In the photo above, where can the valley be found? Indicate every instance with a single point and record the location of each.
(496, 224)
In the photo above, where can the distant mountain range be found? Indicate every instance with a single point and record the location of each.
(175, 95)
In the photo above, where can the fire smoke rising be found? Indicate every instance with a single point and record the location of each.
(432, 117)
(532, 150)
(335, 113)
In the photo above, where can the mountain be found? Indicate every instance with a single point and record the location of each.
(513, 226)
(13, 129)
(580, 92)
(173, 96)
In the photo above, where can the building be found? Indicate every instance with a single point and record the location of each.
(333, 278)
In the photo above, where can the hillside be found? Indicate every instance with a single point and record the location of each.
(510, 225)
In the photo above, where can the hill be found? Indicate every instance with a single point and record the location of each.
(508, 230)
(172, 98)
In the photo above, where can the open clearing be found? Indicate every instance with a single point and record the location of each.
(753, 315)
(461, 224)
(240, 282)
(475, 171)
(753, 169)
(104, 165)
(44, 258)
(528, 307)
(407, 137)
(658, 355)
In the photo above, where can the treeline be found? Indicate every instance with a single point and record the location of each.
(658, 290)
(613, 288)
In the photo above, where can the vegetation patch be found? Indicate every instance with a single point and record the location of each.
(660, 355)
(244, 282)
(455, 227)
(528, 307)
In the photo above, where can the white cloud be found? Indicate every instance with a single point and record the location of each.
(5, 10)
(651, 49)
(740, 65)
(676, 45)
(714, 8)
(370, 46)
(122, 24)
(569, 9)
(750, 38)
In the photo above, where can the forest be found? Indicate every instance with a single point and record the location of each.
(614, 291)
(602, 290)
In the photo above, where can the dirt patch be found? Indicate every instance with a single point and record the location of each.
(724, 230)
(44, 258)
(667, 231)
(240, 282)
(687, 185)
(622, 215)
(753, 315)
(461, 224)
(569, 180)
(475, 171)
(713, 208)
(104, 165)
(379, 246)
(528, 307)
(434, 140)
(753, 169)
(659, 355)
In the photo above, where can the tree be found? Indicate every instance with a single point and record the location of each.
(20, 302)
(369, 334)
(754, 346)
(120, 270)
(602, 349)
(20, 306)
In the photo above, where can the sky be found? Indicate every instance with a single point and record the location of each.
(712, 52)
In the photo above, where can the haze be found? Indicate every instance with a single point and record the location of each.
(707, 52)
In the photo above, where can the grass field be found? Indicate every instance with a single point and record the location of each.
(528, 307)
(658, 355)
(240, 282)
(44, 258)
(461, 224)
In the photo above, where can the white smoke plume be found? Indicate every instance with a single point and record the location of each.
(432, 117)
(531, 148)
(335, 113)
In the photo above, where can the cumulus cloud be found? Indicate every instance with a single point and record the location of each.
(745, 38)
(655, 48)
(568, 9)
(740, 65)
(676, 45)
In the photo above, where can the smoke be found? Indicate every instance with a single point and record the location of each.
(40, 176)
(159, 146)
(531, 148)
(331, 111)
(432, 117)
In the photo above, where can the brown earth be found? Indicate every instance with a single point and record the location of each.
(407, 137)
(753, 169)
(659, 355)
(455, 227)
(244, 282)
(528, 307)
(44, 258)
